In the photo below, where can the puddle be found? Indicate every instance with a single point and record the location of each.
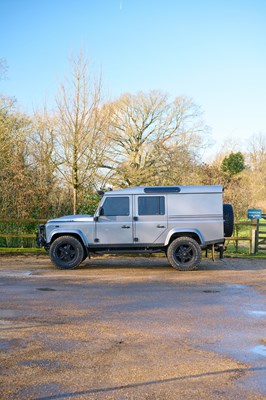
(15, 274)
(257, 313)
(4, 314)
(235, 286)
(4, 345)
(45, 364)
(260, 349)
(7, 324)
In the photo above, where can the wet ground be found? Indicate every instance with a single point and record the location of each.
(132, 328)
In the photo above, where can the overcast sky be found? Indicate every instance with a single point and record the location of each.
(211, 50)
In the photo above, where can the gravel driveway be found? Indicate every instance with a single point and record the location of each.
(132, 328)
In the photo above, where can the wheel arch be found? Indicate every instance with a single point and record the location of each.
(75, 234)
(193, 234)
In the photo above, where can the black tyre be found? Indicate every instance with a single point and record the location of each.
(66, 252)
(184, 254)
(228, 213)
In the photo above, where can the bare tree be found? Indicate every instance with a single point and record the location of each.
(150, 135)
(52, 197)
(256, 177)
(257, 152)
(80, 126)
(15, 180)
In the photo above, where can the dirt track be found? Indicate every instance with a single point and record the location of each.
(132, 328)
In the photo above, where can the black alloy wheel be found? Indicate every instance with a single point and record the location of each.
(184, 254)
(66, 252)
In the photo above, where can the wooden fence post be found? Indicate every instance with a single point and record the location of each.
(253, 236)
(257, 235)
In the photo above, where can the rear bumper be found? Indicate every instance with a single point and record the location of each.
(211, 243)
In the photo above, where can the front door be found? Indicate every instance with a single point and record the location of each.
(114, 225)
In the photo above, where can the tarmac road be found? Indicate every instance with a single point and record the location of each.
(132, 328)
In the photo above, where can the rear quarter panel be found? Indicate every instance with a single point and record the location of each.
(199, 212)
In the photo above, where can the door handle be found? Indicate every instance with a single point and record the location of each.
(160, 226)
(125, 227)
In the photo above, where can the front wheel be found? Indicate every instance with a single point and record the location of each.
(184, 254)
(66, 252)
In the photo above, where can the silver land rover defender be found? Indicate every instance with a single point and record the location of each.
(179, 221)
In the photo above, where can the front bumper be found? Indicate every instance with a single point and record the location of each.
(40, 237)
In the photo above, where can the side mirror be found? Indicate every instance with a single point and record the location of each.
(101, 211)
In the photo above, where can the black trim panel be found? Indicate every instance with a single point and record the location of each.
(162, 189)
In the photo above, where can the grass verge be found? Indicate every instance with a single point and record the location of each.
(21, 250)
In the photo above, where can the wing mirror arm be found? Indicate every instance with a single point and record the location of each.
(101, 212)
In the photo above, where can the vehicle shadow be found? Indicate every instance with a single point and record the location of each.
(233, 264)
(158, 263)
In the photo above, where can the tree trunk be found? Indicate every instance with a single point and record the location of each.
(75, 200)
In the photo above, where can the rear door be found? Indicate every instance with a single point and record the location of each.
(149, 219)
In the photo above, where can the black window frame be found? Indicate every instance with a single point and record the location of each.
(161, 206)
(119, 208)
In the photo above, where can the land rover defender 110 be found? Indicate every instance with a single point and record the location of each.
(179, 221)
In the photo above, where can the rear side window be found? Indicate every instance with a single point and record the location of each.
(116, 206)
(151, 205)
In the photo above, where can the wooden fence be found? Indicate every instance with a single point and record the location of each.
(237, 238)
(17, 230)
(255, 238)
(261, 234)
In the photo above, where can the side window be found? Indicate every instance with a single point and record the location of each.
(151, 205)
(116, 206)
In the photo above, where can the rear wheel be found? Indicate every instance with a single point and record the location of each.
(66, 252)
(184, 254)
